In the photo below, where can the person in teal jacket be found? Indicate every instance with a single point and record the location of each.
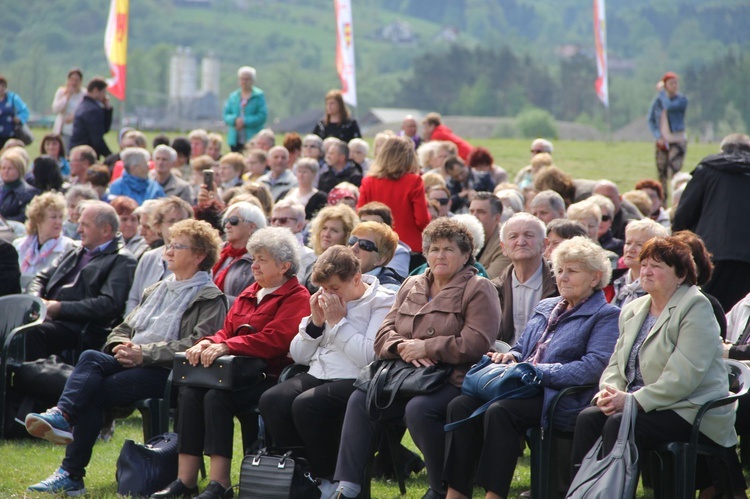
(245, 111)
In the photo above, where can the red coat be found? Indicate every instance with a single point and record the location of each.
(442, 132)
(275, 320)
(406, 199)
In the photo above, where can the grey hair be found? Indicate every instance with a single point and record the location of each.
(679, 179)
(247, 212)
(605, 204)
(647, 226)
(81, 191)
(268, 134)
(134, 156)
(525, 217)
(293, 206)
(511, 198)
(279, 148)
(247, 70)
(147, 208)
(311, 137)
(553, 199)
(200, 134)
(544, 144)
(309, 163)
(587, 252)
(280, 243)
(163, 147)
(585, 208)
(359, 145)
(105, 214)
(475, 227)
(735, 142)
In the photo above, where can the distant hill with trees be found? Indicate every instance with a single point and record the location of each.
(478, 57)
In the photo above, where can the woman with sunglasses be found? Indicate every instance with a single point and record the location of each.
(394, 181)
(374, 245)
(331, 226)
(306, 412)
(233, 273)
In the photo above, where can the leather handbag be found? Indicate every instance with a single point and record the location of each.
(616, 474)
(267, 476)
(384, 380)
(22, 132)
(491, 382)
(228, 372)
(143, 469)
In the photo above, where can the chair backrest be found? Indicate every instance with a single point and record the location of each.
(19, 310)
(502, 347)
(739, 377)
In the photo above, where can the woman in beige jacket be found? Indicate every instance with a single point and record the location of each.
(669, 358)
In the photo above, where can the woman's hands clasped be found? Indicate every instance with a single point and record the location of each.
(205, 352)
(611, 400)
(128, 354)
(414, 352)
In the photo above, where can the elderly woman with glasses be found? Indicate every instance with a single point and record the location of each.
(262, 323)
(233, 273)
(137, 357)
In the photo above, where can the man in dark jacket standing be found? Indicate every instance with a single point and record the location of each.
(93, 117)
(86, 289)
(715, 205)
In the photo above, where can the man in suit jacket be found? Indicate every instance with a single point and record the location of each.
(85, 289)
(488, 209)
(93, 117)
(528, 279)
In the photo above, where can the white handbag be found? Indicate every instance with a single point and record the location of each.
(614, 476)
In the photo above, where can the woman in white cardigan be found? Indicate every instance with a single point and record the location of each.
(336, 341)
(65, 103)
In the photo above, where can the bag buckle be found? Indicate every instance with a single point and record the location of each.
(256, 460)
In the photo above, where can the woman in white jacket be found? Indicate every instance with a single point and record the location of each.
(336, 341)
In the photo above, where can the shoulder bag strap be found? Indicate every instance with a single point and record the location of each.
(626, 434)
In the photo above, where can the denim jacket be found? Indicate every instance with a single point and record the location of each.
(675, 107)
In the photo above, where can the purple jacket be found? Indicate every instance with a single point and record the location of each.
(577, 354)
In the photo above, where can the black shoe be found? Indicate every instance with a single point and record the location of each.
(433, 494)
(215, 490)
(176, 490)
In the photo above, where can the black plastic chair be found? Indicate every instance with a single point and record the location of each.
(544, 443)
(155, 412)
(674, 464)
(17, 314)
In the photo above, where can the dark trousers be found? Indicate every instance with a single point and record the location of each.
(205, 422)
(424, 416)
(308, 412)
(99, 382)
(485, 449)
(50, 337)
(730, 282)
(651, 430)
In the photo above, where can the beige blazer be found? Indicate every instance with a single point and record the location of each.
(681, 361)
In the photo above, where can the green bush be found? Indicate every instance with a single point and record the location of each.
(533, 123)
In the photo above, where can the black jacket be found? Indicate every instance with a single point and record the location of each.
(10, 272)
(13, 201)
(352, 173)
(98, 296)
(345, 131)
(715, 205)
(90, 123)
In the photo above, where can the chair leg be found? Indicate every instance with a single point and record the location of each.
(394, 443)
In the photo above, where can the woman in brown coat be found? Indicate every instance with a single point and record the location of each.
(447, 315)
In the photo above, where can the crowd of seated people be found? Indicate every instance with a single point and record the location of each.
(337, 253)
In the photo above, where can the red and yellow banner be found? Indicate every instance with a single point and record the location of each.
(345, 51)
(600, 41)
(116, 46)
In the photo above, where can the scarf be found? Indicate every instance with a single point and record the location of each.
(158, 317)
(33, 254)
(558, 313)
(627, 291)
(220, 274)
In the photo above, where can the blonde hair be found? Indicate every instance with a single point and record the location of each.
(641, 200)
(395, 159)
(36, 210)
(587, 252)
(235, 160)
(204, 240)
(263, 193)
(385, 238)
(433, 179)
(18, 158)
(341, 212)
(586, 208)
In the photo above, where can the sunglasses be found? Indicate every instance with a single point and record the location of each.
(364, 244)
(282, 220)
(233, 220)
(442, 201)
(606, 218)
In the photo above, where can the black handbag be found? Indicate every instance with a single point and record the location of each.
(43, 379)
(22, 132)
(267, 476)
(145, 469)
(228, 372)
(384, 380)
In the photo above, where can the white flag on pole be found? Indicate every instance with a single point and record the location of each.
(600, 40)
(345, 50)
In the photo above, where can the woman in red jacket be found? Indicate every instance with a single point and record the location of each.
(261, 323)
(394, 180)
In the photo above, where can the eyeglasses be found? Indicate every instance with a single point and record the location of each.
(282, 220)
(442, 201)
(176, 246)
(310, 146)
(606, 218)
(364, 244)
(233, 220)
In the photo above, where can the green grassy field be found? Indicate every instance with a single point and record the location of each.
(25, 462)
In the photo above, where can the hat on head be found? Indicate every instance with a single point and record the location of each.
(668, 76)
(339, 193)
